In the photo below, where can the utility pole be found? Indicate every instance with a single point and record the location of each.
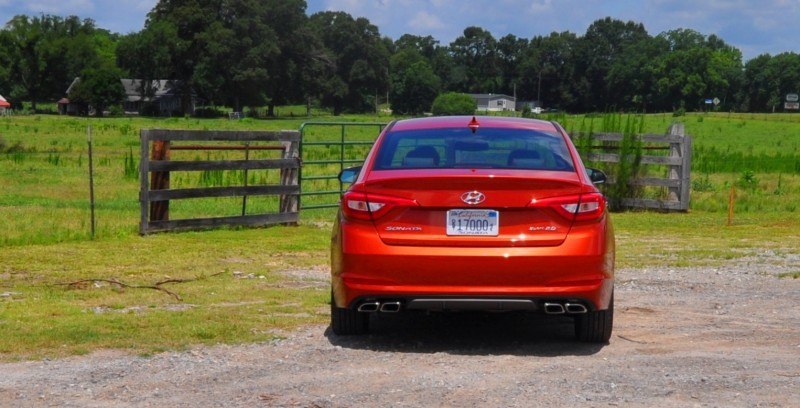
(539, 90)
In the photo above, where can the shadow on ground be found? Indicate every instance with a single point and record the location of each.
(469, 334)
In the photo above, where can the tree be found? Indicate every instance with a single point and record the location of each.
(453, 103)
(548, 71)
(475, 59)
(603, 46)
(99, 87)
(770, 78)
(510, 53)
(437, 56)
(632, 78)
(695, 68)
(147, 55)
(360, 57)
(45, 53)
(414, 85)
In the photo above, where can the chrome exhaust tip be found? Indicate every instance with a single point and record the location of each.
(575, 308)
(369, 307)
(390, 307)
(554, 308)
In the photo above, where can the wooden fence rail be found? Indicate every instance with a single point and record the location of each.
(679, 163)
(155, 167)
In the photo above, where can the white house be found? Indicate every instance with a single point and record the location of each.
(495, 102)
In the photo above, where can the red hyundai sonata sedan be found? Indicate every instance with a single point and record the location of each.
(463, 213)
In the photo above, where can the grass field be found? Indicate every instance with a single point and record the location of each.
(246, 288)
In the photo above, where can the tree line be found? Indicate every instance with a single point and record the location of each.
(251, 53)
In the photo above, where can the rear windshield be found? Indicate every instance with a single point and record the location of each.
(486, 149)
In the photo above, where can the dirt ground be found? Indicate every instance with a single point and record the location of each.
(719, 337)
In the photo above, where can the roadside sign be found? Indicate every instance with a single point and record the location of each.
(792, 97)
(709, 101)
(791, 105)
(716, 101)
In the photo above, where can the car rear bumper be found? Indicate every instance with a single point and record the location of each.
(581, 269)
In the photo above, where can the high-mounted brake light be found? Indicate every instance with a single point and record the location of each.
(357, 205)
(473, 124)
(585, 207)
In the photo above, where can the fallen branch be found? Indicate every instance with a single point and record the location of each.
(155, 286)
(631, 340)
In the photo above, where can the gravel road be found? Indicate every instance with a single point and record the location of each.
(725, 336)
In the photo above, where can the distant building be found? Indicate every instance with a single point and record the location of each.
(494, 102)
(160, 97)
(162, 94)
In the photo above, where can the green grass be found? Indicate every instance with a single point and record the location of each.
(44, 318)
(45, 240)
(701, 238)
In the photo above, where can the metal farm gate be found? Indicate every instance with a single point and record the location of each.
(327, 148)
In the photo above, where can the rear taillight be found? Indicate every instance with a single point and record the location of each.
(362, 206)
(584, 207)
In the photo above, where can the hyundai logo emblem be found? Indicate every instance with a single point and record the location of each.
(473, 197)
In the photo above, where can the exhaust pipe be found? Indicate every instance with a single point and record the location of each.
(369, 307)
(575, 308)
(554, 308)
(390, 307)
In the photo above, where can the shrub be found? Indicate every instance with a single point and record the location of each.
(208, 112)
(526, 111)
(116, 110)
(702, 184)
(453, 103)
(747, 180)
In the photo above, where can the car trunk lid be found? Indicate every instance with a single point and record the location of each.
(513, 194)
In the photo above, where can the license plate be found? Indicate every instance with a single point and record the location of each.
(473, 222)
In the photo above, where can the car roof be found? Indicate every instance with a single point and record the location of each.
(439, 122)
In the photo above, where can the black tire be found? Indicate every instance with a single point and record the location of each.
(348, 321)
(595, 327)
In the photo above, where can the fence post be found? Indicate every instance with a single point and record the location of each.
(289, 203)
(91, 176)
(686, 174)
(159, 210)
(144, 192)
(675, 129)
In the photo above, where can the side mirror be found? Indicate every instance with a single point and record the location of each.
(597, 176)
(349, 174)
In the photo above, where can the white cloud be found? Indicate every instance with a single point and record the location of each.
(541, 6)
(425, 21)
(61, 7)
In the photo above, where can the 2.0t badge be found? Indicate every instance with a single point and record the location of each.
(473, 197)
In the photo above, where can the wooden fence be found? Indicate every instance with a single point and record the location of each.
(678, 162)
(155, 168)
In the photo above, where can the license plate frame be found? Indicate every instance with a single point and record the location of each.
(473, 222)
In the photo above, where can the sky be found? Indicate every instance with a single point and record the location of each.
(753, 26)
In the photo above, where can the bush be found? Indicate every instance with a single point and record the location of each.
(116, 110)
(452, 103)
(208, 112)
(747, 180)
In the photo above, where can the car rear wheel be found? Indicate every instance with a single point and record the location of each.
(595, 327)
(348, 321)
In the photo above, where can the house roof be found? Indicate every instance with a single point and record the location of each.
(4, 103)
(157, 89)
(492, 96)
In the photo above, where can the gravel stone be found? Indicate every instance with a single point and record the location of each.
(726, 336)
